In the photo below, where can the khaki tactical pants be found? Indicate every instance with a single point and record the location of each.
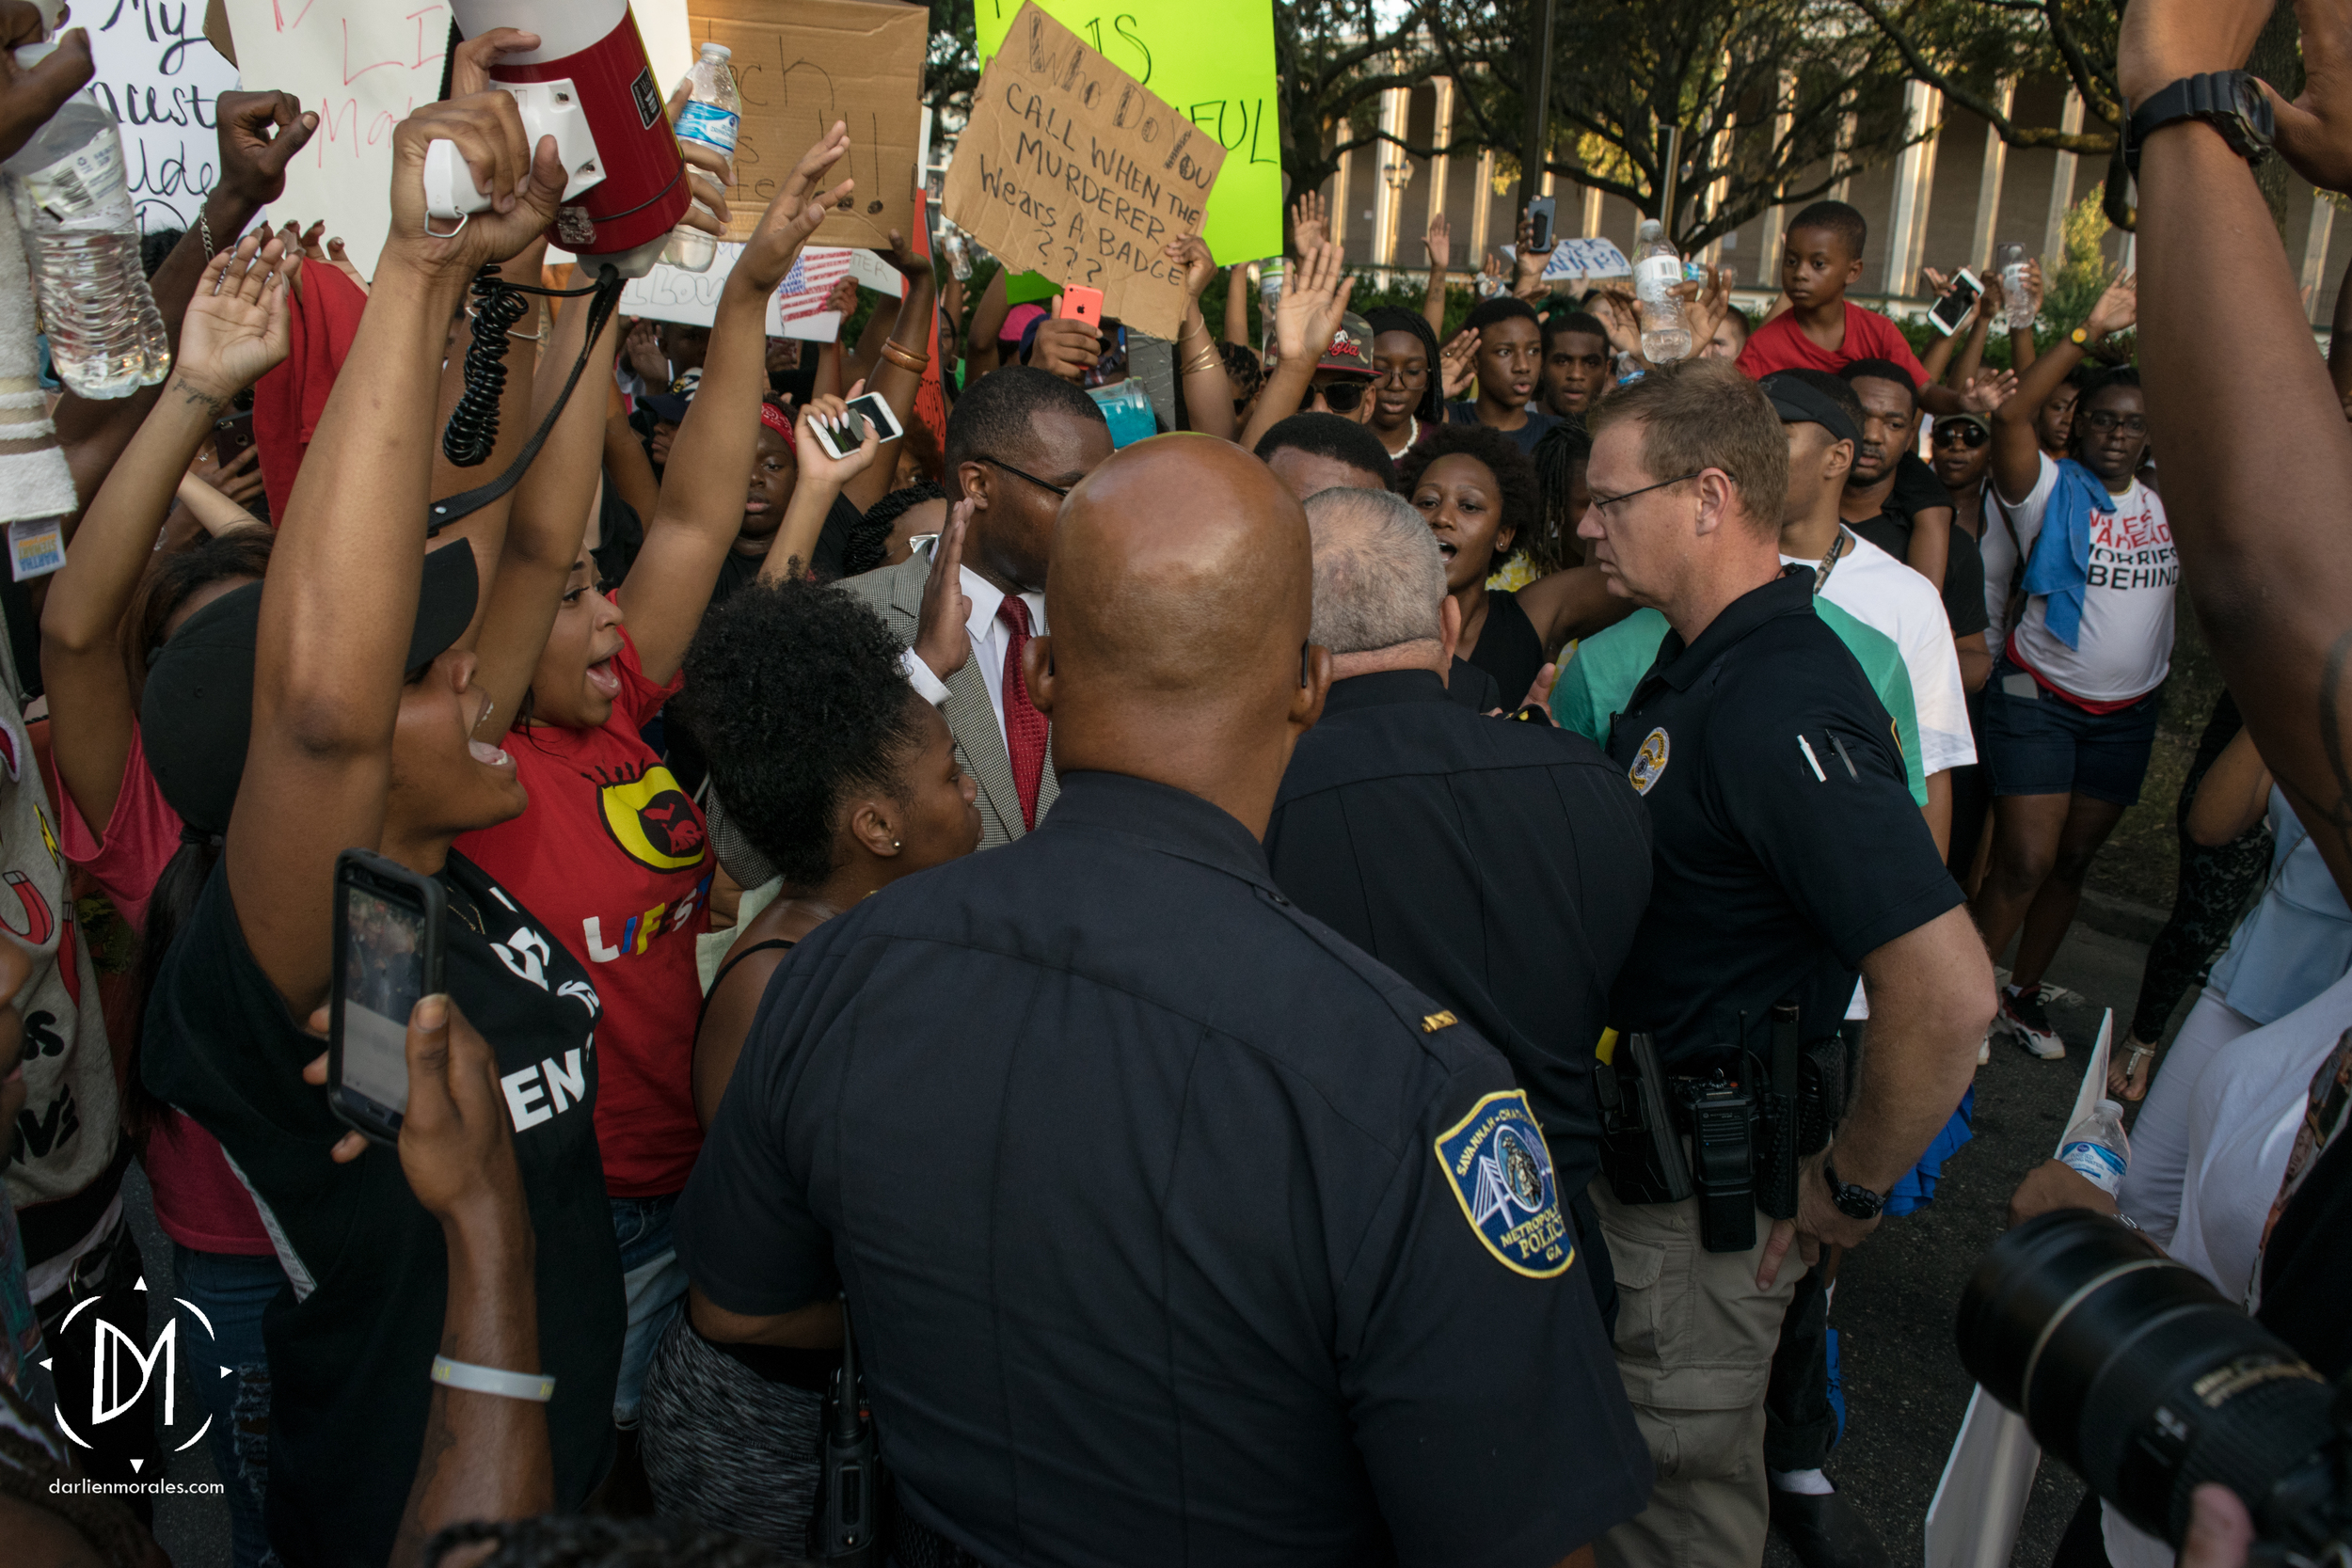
(1694, 1347)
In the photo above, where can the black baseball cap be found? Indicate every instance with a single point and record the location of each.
(1798, 403)
(668, 407)
(197, 716)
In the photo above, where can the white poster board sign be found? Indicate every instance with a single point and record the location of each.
(161, 78)
(796, 311)
(362, 68)
(1980, 1501)
(1588, 258)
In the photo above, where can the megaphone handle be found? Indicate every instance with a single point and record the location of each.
(449, 187)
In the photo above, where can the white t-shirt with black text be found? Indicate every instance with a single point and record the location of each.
(2124, 648)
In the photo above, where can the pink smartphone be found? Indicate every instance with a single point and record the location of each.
(1080, 303)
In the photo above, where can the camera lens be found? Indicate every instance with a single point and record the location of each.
(2140, 1375)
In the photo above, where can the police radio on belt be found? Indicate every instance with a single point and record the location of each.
(590, 87)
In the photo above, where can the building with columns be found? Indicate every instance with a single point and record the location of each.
(1944, 202)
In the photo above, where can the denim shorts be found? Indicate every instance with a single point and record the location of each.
(2046, 745)
(656, 1284)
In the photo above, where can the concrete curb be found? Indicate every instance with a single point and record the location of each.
(2120, 917)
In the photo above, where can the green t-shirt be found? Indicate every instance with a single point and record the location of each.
(1599, 681)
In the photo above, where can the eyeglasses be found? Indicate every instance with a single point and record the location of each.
(1969, 435)
(1059, 490)
(1405, 375)
(1603, 503)
(1341, 397)
(2106, 419)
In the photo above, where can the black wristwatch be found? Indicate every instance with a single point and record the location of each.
(2229, 101)
(1855, 1203)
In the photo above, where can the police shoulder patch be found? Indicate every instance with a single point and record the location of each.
(1501, 1169)
(1650, 760)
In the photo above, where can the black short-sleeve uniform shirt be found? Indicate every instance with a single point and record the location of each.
(1785, 842)
(352, 1339)
(1499, 867)
(1176, 1229)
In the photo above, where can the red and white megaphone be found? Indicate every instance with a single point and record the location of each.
(589, 86)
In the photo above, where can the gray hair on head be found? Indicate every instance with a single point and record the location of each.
(1379, 581)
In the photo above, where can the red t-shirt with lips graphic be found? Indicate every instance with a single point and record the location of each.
(615, 861)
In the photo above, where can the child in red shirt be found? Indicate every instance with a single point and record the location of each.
(1820, 330)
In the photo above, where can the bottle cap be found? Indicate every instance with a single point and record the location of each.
(717, 52)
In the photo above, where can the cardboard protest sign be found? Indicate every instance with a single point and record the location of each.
(362, 68)
(1214, 61)
(799, 67)
(162, 79)
(1070, 167)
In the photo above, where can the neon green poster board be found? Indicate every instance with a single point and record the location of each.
(1214, 61)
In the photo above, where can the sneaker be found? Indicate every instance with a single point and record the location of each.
(2025, 1015)
(1827, 1531)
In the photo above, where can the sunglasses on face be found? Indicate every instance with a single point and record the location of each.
(2106, 419)
(1969, 435)
(1341, 397)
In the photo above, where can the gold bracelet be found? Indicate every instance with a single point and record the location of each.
(905, 358)
(1205, 358)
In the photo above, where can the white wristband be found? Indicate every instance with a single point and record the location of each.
(927, 684)
(490, 1380)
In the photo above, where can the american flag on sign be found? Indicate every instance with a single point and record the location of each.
(805, 288)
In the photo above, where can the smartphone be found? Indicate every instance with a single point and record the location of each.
(389, 924)
(1540, 214)
(1078, 303)
(231, 435)
(1951, 311)
(869, 409)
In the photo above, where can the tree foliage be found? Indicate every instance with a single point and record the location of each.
(1763, 91)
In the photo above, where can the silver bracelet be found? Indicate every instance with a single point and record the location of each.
(204, 228)
(491, 1380)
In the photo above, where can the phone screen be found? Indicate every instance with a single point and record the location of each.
(383, 978)
(1954, 307)
(1539, 216)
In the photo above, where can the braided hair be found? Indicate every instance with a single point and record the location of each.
(1390, 318)
(1559, 456)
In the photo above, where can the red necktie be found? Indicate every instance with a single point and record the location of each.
(1025, 727)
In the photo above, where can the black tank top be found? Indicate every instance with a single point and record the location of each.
(1508, 648)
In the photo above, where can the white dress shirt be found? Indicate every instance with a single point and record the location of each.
(991, 639)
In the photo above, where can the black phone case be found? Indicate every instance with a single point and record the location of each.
(394, 882)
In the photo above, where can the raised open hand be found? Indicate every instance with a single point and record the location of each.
(794, 214)
(1458, 363)
(941, 640)
(237, 327)
(2117, 307)
(1439, 242)
(1310, 225)
(1987, 390)
(1313, 300)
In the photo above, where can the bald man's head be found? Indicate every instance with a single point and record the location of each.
(1180, 599)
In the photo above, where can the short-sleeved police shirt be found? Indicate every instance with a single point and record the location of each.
(1787, 845)
(1177, 1230)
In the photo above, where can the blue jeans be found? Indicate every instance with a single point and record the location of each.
(656, 1284)
(233, 1291)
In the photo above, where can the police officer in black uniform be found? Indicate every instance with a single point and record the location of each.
(1788, 857)
(1174, 1229)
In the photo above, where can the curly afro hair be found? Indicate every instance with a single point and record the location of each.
(1515, 476)
(795, 692)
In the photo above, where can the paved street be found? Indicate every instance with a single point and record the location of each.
(1897, 1296)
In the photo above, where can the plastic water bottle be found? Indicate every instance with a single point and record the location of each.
(2011, 256)
(2096, 1147)
(1269, 300)
(713, 115)
(82, 243)
(1656, 268)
